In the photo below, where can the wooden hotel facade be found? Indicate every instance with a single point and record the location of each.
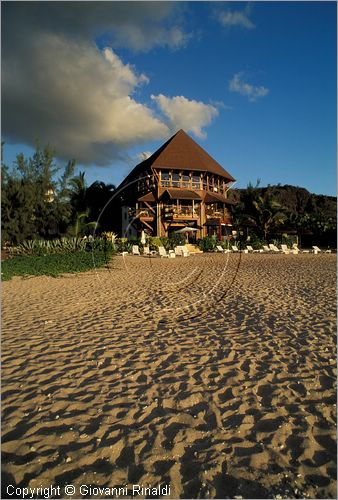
(179, 185)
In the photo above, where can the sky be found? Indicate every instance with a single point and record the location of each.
(107, 83)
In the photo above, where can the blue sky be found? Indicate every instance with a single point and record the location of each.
(253, 83)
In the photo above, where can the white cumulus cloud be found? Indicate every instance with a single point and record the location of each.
(81, 101)
(189, 115)
(57, 86)
(253, 92)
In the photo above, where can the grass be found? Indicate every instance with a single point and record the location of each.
(53, 264)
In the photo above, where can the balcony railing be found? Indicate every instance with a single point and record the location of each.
(197, 186)
(144, 213)
(176, 212)
(209, 212)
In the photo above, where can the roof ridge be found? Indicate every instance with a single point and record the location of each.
(182, 152)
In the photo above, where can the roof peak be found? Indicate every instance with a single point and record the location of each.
(182, 152)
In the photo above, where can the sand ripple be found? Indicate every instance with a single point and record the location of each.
(214, 374)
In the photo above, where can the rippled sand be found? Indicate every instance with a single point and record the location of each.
(215, 374)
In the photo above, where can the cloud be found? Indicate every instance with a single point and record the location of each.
(143, 155)
(253, 92)
(79, 99)
(229, 18)
(139, 26)
(189, 115)
(58, 86)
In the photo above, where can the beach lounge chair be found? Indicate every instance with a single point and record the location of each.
(266, 248)
(135, 250)
(182, 251)
(162, 252)
(171, 254)
(185, 251)
(234, 248)
(253, 250)
(318, 250)
(146, 251)
(285, 249)
(273, 248)
(220, 249)
(297, 250)
(178, 251)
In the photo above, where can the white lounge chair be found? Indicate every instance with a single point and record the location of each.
(285, 249)
(253, 250)
(171, 254)
(297, 250)
(266, 248)
(220, 249)
(234, 248)
(318, 250)
(135, 250)
(162, 252)
(273, 248)
(185, 251)
(146, 251)
(178, 251)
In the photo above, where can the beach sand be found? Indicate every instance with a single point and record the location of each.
(214, 374)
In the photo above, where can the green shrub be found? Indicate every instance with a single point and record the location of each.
(176, 240)
(53, 264)
(207, 244)
(165, 242)
(154, 242)
(123, 245)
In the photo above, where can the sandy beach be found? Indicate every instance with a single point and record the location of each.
(213, 374)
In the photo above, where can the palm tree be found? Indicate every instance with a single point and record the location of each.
(78, 190)
(98, 196)
(269, 215)
(262, 213)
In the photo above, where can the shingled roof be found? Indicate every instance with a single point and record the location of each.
(181, 152)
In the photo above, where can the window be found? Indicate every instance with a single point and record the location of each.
(165, 179)
(195, 179)
(175, 180)
(185, 180)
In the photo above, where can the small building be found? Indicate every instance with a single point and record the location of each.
(179, 185)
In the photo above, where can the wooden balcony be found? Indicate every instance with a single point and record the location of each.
(214, 214)
(170, 212)
(144, 214)
(195, 186)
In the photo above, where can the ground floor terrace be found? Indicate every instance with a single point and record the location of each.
(215, 374)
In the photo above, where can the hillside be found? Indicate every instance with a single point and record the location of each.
(295, 199)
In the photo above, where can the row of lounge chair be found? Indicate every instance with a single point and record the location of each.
(184, 252)
(271, 248)
(181, 251)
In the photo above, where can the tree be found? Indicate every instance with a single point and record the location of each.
(98, 196)
(269, 215)
(33, 203)
(262, 213)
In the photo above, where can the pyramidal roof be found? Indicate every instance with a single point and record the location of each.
(181, 152)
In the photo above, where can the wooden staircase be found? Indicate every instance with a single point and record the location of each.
(193, 249)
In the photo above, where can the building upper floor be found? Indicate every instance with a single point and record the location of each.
(179, 165)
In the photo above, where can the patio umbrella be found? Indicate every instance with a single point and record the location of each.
(186, 230)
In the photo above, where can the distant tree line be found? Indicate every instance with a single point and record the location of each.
(272, 211)
(36, 203)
